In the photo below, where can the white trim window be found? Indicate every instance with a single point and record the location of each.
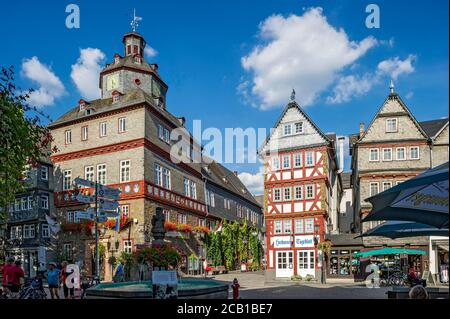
(194, 192)
(89, 173)
(45, 231)
(414, 153)
(128, 246)
(309, 159)
(213, 200)
(387, 154)
(400, 153)
(309, 191)
(125, 168)
(374, 155)
(23, 203)
(68, 136)
(30, 202)
(391, 125)
(286, 161)
(103, 129)
(29, 231)
(101, 174)
(298, 193)
(298, 127)
(287, 129)
(16, 232)
(287, 226)
(67, 179)
(386, 185)
(84, 133)
(163, 133)
(277, 194)
(17, 204)
(309, 225)
(374, 188)
(275, 163)
(190, 190)
(297, 160)
(181, 218)
(287, 193)
(125, 211)
(122, 124)
(44, 201)
(299, 226)
(278, 227)
(72, 217)
(68, 250)
(44, 173)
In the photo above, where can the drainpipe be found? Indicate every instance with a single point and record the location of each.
(430, 143)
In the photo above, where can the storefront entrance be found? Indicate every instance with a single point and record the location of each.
(306, 263)
(342, 263)
(285, 263)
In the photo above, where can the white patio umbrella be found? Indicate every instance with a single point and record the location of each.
(422, 199)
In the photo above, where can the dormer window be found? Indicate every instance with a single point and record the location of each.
(82, 105)
(137, 59)
(115, 96)
(116, 58)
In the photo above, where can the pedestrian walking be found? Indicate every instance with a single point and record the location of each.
(235, 286)
(6, 268)
(53, 280)
(68, 292)
(15, 276)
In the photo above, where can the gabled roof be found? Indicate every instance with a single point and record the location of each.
(293, 104)
(434, 127)
(224, 178)
(394, 96)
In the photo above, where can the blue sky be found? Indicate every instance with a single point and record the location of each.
(201, 45)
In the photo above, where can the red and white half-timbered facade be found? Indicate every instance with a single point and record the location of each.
(301, 189)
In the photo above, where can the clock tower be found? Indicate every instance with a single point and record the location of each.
(131, 71)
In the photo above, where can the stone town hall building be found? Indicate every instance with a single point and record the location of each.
(123, 140)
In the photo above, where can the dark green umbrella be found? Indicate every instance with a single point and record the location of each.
(400, 229)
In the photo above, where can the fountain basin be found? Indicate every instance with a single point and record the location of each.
(193, 288)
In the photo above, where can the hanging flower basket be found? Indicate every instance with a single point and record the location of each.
(201, 229)
(185, 228)
(169, 226)
(159, 256)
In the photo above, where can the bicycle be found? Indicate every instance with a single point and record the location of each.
(86, 284)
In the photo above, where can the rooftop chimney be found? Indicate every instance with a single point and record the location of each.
(361, 129)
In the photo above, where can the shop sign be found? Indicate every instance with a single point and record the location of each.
(304, 241)
(282, 242)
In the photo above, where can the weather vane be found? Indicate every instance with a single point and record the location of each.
(135, 21)
(293, 95)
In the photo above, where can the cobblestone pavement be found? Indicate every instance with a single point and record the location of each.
(253, 286)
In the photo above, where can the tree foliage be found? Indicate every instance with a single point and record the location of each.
(24, 140)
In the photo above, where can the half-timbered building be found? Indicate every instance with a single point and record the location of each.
(301, 189)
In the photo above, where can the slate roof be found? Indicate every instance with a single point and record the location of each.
(223, 177)
(105, 105)
(345, 240)
(434, 126)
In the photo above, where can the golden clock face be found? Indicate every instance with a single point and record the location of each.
(112, 81)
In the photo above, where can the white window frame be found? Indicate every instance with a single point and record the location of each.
(30, 202)
(68, 137)
(298, 156)
(275, 159)
(418, 153)
(384, 184)
(370, 188)
(404, 153)
(44, 173)
(287, 196)
(296, 193)
(29, 231)
(122, 124)
(67, 179)
(213, 200)
(275, 197)
(286, 164)
(285, 126)
(388, 130)
(277, 227)
(44, 201)
(45, 231)
(312, 189)
(125, 171)
(103, 129)
(287, 226)
(85, 133)
(299, 226)
(383, 154)
(377, 152)
(309, 225)
(128, 246)
(23, 203)
(306, 159)
(16, 232)
(17, 204)
(299, 124)
(89, 173)
(102, 169)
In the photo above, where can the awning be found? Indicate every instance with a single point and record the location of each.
(389, 251)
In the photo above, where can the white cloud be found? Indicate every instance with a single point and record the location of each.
(85, 72)
(253, 182)
(395, 67)
(350, 86)
(409, 95)
(50, 86)
(150, 52)
(302, 52)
